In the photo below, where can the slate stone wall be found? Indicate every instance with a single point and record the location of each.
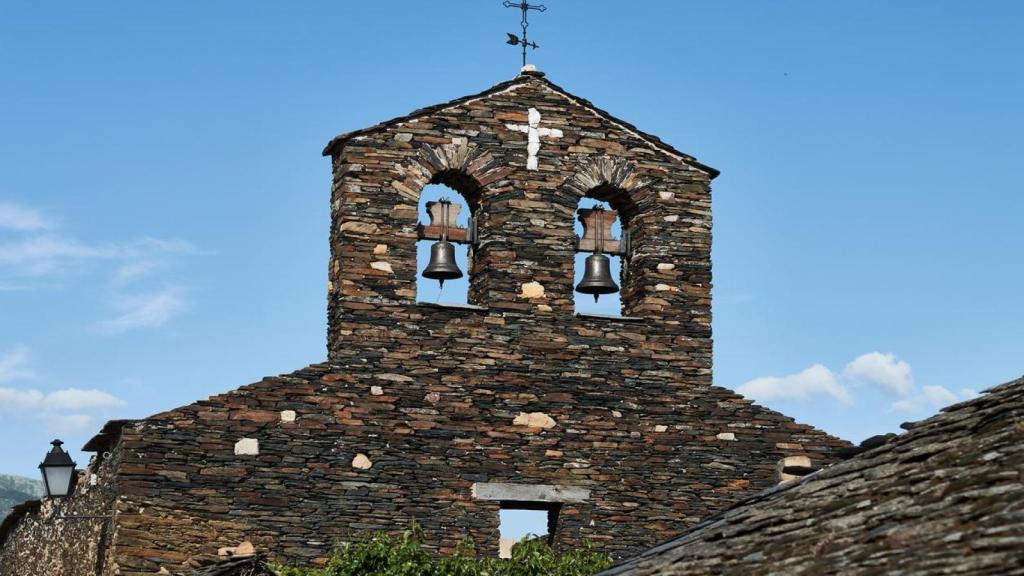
(653, 456)
(416, 403)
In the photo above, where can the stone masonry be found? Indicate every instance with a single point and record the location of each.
(442, 415)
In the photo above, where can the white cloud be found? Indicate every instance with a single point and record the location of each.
(39, 255)
(42, 252)
(15, 217)
(60, 410)
(932, 398)
(145, 311)
(51, 254)
(75, 399)
(12, 398)
(14, 365)
(816, 381)
(938, 396)
(59, 400)
(132, 271)
(887, 372)
(895, 377)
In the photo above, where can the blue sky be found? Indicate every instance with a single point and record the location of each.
(164, 204)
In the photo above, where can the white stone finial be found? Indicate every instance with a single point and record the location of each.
(529, 68)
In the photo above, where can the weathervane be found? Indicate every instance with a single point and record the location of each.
(515, 40)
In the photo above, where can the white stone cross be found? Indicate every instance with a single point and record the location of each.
(533, 135)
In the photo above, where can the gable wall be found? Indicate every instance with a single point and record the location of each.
(623, 408)
(649, 454)
(437, 398)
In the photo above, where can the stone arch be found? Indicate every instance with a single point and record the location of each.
(610, 179)
(462, 167)
(618, 182)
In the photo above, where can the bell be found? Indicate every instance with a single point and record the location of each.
(597, 277)
(442, 264)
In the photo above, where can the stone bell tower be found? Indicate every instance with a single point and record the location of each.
(522, 155)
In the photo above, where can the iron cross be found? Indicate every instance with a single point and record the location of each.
(515, 40)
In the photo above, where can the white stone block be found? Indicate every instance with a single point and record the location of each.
(532, 290)
(792, 461)
(501, 491)
(796, 461)
(534, 420)
(287, 415)
(247, 447)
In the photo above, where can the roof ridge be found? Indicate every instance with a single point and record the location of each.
(345, 136)
(525, 78)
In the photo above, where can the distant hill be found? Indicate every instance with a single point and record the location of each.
(15, 490)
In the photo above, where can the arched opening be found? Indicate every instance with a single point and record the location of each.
(451, 291)
(606, 304)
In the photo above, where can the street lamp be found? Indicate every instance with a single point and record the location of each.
(58, 471)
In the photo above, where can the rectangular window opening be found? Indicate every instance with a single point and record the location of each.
(521, 520)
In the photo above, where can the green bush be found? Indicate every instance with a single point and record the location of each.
(385, 555)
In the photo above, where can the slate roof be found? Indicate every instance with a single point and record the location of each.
(107, 437)
(947, 497)
(522, 78)
(242, 566)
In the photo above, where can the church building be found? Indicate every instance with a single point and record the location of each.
(447, 415)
